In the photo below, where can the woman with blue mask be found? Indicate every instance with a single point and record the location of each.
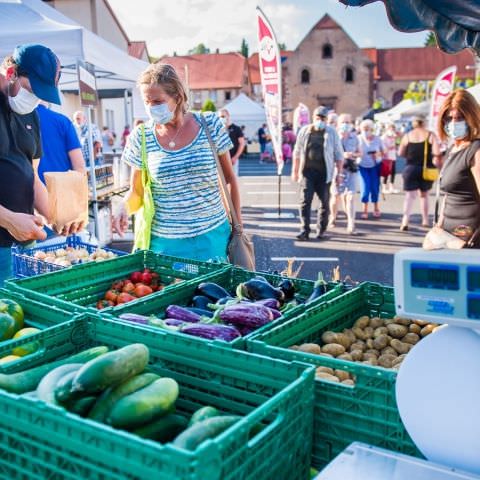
(189, 217)
(459, 124)
(418, 146)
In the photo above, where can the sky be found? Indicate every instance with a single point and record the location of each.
(180, 25)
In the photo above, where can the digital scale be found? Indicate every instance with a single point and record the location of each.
(438, 383)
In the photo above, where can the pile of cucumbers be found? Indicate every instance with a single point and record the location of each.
(117, 389)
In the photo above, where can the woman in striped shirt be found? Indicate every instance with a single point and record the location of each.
(190, 219)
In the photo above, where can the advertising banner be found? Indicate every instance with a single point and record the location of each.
(442, 88)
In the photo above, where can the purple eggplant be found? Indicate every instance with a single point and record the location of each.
(211, 290)
(288, 288)
(319, 288)
(135, 318)
(174, 322)
(256, 289)
(269, 302)
(245, 330)
(200, 301)
(182, 313)
(201, 311)
(212, 332)
(248, 315)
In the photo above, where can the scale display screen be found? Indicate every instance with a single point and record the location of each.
(434, 276)
(473, 279)
(473, 306)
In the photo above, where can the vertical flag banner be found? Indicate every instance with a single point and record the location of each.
(441, 89)
(271, 76)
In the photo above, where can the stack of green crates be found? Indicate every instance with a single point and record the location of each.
(366, 412)
(41, 441)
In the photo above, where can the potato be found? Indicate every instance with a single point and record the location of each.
(397, 331)
(348, 332)
(389, 351)
(40, 254)
(380, 342)
(348, 381)
(372, 351)
(380, 331)
(328, 370)
(370, 357)
(398, 360)
(342, 375)
(400, 347)
(402, 321)
(376, 322)
(326, 355)
(345, 356)
(329, 337)
(369, 343)
(421, 323)
(356, 355)
(368, 331)
(414, 328)
(388, 321)
(362, 322)
(358, 345)
(334, 349)
(359, 333)
(427, 329)
(310, 348)
(373, 361)
(293, 347)
(327, 376)
(411, 338)
(386, 361)
(343, 339)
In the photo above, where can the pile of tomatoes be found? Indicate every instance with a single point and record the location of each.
(139, 284)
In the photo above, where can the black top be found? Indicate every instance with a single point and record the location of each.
(462, 203)
(19, 145)
(261, 136)
(314, 154)
(415, 153)
(235, 132)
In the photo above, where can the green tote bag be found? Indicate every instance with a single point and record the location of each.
(144, 217)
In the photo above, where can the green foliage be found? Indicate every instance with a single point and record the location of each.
(199, 49)
(377, 104)
(469, 83)
(209, 106)
(282, 46)
(244, 48)
(430, 41)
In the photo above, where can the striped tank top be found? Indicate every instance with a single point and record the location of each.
(185, 188)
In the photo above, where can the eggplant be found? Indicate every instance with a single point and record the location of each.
(182, 313)
(200, 311)
(256, 289)
(245, 330)
(248, 315)
(174, 322)
(200, 301)
(272, 303)
(276, 314)
(135, 318)
(319, 288)
(212, 332)
(211, 290)
(288, 288)
(224, 300)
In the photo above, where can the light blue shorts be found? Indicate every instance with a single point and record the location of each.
(208, 246)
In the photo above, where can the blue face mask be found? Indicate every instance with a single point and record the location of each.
(457, 130)
(319, 124)
(345, 127)
(160, 114)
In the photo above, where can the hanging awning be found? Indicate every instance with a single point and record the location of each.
(455, 23)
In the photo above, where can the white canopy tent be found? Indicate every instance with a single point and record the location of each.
(422, 108)
(394, 113)
(245, 111)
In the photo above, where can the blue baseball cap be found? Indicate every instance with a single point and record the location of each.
(42, 68)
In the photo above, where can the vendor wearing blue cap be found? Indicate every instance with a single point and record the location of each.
(29, 75)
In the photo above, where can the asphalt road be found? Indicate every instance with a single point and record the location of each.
(367, 256)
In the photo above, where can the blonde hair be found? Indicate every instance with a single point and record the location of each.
(165, 76)
(344, 118)
(367, 123)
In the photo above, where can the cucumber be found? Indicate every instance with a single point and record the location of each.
(82, 406)
(46, 387)
(111, 368)
(112, 395)
(164, 429)
(141, 407)
(28, 380)
(63, 388)
(193, 436)
(202, 414)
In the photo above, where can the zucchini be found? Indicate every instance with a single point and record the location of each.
(113, 367)
(202, 414)
(193, 436)
(164, 429)
(112, 395)
(46, 387)
(63, 387)
(144, 405)
(82, 406)
(28, 380)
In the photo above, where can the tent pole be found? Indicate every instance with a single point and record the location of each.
(279, 193)
(93, 178)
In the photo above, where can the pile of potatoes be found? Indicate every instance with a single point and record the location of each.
(69, 256)
(383, 342)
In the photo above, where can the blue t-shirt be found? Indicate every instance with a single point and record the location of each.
(58, 138)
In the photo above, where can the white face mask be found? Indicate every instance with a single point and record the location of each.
(160, 114)
(24, 102)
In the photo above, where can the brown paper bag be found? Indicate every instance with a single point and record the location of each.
(67, 197)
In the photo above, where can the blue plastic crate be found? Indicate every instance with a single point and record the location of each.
(24, 264)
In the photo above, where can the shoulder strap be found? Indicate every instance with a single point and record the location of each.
(223, 182)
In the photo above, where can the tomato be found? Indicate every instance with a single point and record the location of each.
(136, 277)
(146, 278)
(142, 290)
(101, 304)
(129, 287)
(118, 285)
(147, 270)
(155, 275)
(125, 297)
(111, 295)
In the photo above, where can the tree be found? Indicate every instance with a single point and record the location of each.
(209, 106)
(430, 41)
(282, 46)
(199, 49)
(244, 48)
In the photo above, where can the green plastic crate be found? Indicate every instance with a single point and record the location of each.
(228, 279)
(81, 287)
(366, 412)
(39, 441)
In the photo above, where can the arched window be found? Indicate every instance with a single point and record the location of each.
(305, 76)
(327, 51)
(348, 75)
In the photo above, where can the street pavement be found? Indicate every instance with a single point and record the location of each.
(367, 256)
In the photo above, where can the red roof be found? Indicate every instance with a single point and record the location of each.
(254, 68)
(136, 49)
(423, 63)
(211, 70)
(326, 22)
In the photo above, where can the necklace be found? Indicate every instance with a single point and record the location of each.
(172, 143)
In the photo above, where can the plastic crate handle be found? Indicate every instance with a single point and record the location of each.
(266, 431)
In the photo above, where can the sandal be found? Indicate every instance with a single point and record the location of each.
(364, 215)
(377, 214)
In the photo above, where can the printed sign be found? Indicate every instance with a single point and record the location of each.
(87, 85)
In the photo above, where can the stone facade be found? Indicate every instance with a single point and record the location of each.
(328, 68)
